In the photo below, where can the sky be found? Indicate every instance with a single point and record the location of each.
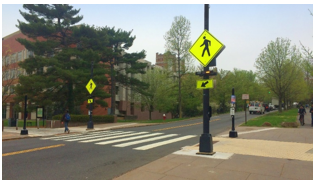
(245, 29)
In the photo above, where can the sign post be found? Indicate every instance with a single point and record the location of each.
(233, 133)
(245, 97)
(39, 114)
(90, 87)
(24, 131)
(205, 50)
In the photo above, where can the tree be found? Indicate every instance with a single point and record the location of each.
(177, 43)
(192, 98)
(123, 65)
(276, 66)
(60, 69)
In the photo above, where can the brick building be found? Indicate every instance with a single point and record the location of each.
(13, 53)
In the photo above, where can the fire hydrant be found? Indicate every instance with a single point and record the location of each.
(164, 117)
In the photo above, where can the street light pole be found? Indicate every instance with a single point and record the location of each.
(90, 124)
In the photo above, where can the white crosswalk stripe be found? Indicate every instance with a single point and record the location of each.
(75, 135)
(126, 139)
(113, 137)
(129, 138)
(150, 146)
(145, 140)
(91, 137)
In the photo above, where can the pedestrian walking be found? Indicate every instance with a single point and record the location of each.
(311, 111)
(66, 119)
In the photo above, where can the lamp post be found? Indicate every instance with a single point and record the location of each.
(25, 131)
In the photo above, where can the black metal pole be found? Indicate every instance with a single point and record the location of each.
(205, 143)
(90, 124)
(233, 133)
(24, 131)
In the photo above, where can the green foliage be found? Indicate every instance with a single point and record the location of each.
(191, 97)
(243, 82)
(278, 67)
(274, 118)
(85, 118)
(60, 70)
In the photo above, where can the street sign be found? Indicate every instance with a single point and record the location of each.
(90, 86)
(204, 84)
(245, 96)
(91, 100)
(206, 48)
(233, 99)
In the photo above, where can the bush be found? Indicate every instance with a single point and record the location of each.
(85, 118)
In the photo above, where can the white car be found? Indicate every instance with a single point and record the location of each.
(256, 107)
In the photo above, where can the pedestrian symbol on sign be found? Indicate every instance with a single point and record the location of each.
(207, 44)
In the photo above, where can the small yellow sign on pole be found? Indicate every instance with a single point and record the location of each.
(91, 100)
(90, 86)
(204, 84)
(206, 48)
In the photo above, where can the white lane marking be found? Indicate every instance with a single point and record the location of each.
(75, 135)
(96, 136)
(253, 131)
(81, 135)
(145, 140)
(113, 137)
(150, 146)
(126, 139)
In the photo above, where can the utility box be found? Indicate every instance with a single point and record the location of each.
(53, 124)
(12, 122)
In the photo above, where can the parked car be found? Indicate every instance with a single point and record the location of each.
(266, 107)
(256, 107)
(272, 106)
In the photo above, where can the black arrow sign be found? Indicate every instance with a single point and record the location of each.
(204, 84)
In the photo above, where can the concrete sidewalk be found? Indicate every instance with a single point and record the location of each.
(257, 154)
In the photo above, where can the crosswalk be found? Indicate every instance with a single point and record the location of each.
(123, 139)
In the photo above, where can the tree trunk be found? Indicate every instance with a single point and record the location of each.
(280, 103)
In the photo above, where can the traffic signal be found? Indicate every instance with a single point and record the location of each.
(269, 92)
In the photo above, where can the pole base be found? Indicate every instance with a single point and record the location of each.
(205, 143)
(24, 132)
(90, 125)
(233, 134)
(204, 153)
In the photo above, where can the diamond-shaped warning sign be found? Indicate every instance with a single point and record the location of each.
(90, 86)
(206, 48)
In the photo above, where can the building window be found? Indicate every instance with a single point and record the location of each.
(13, 58)
(20, 56)
(7, 61)
(29, 54)
(11, 89)
(117, 90)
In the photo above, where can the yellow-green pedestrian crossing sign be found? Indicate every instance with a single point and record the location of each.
(91, 100)
(90, 86)
(206, 48)
(204, 84)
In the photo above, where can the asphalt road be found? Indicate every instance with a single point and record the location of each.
(77, 160)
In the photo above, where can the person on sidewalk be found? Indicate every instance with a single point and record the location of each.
(301, 112)
(311, 111)
(66, 119)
